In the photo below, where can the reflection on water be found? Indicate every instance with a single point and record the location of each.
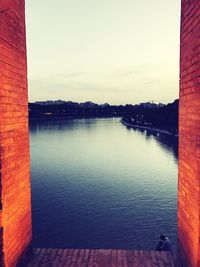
(167, 142)
(98, 184)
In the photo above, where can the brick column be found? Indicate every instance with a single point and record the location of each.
(189, 140)
(15, 201)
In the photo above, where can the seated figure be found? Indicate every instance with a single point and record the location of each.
(164, 244)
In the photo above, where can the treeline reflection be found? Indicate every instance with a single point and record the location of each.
(167, 142)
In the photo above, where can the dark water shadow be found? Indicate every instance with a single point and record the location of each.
(167, 142)
(59, 124)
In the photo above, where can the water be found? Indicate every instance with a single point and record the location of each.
(98, 184)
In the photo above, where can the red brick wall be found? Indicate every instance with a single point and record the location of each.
(189, 130)
(15, 202)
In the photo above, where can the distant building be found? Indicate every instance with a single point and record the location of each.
(104, 105)
(88, 104)
(151, 105)
(50, 102)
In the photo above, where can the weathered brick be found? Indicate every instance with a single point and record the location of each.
(189, 136)
(15, 200)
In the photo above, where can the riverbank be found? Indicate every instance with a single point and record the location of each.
(155, 130)
(71, 118)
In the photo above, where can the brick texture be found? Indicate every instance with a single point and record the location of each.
(189, 136)
(15, 201)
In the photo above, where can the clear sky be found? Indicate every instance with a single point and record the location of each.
(115, 51)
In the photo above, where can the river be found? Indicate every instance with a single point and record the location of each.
(98, 184)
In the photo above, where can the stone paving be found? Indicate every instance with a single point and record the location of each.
(99, 258)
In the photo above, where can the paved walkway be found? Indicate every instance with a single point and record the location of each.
(99, 258)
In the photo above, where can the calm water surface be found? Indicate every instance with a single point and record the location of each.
(98, 184)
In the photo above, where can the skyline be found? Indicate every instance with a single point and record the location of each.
(61, 101)
(103, 52)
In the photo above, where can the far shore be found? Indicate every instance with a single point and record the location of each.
(71, 118)
(156, 130)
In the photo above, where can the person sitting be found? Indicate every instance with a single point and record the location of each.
(164, 244)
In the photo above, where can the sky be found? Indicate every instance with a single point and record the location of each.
(104, 51)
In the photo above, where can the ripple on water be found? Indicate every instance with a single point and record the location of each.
(97, 184)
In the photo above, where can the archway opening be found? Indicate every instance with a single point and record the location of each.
(98, 58)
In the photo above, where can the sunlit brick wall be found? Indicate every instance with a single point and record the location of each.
(189, 140)
(15, 203)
